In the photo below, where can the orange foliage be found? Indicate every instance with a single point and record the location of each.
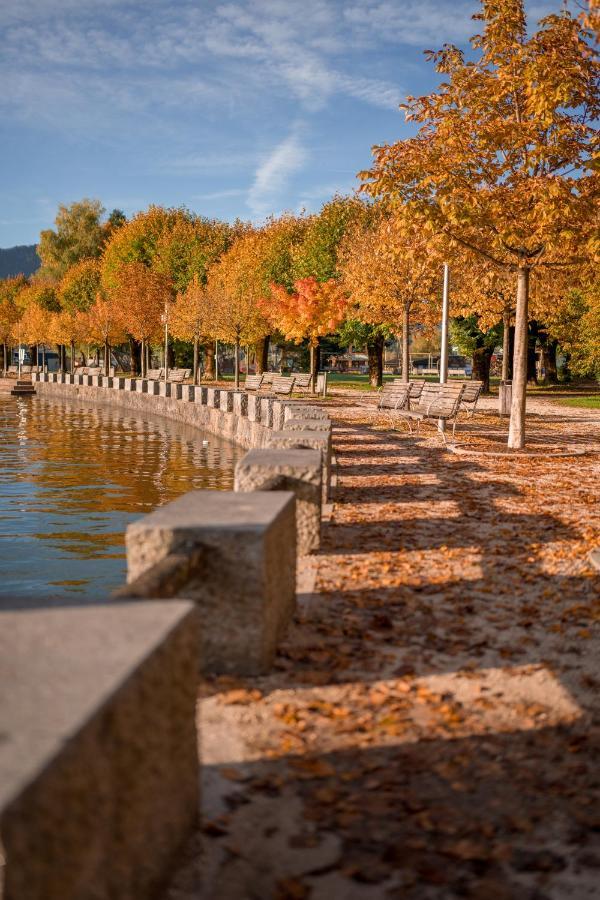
(312, 311)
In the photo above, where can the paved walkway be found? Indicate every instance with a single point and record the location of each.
(432, 727)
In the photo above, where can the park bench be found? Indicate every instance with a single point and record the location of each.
(155, 374)
(253, 382)
(283, 385)
(470, 396)
(437, 402)
(12, 370)
(179, 375)
(393, 396)
(267, 378)
(302, 383)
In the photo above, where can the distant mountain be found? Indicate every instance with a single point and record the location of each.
(21, 260)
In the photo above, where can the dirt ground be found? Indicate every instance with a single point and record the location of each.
(432, 726)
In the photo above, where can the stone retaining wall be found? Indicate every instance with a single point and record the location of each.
(98, 766)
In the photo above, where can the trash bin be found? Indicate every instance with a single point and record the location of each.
(505, 394)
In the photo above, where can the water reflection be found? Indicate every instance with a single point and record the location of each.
(73, 476)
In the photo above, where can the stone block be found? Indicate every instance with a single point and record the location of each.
(299, 471)
(118, 383)
(278, 412)
(176, 390)
(304, 411)
(130, 384)
(297, 424)
(240, 403)
(98, 759)
(164, 388)
(200, 395)
(95, 380)
(253, 412)
(152, 387)
(226, 401)
(245, 582)
(213, 396)
(141, 386)
(308, 440)
(188, 392)
(107, 381)
(266, 411)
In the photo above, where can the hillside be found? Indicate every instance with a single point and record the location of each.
(21, 260)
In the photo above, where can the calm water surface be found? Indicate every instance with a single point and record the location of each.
(71, 479)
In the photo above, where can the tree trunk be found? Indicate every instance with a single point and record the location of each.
(375, 355)
(134, 351)
(482, 357)
(262, 355)
(511, 350)
(516, 430)
(505, 346)
(4, 358)
(549, 348)
(195, 365)
(405, 342)
(532, 337)
(106, 357)
(72, 357)
(209, 361)
(313, 367)
(237, 363)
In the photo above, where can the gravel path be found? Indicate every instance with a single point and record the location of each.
(431, 731)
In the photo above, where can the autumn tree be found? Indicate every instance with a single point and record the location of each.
(79, 285)
(312, 310)
(142, 296)
(38, 293)
(174, 243)
(501, 162)
(236, 285)
(104, 325)
(388, 268)
(68, 328)
(78, 235)
(35, 325)
(9, 312)
(190, 319)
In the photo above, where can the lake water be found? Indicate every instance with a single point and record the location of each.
(71, 479)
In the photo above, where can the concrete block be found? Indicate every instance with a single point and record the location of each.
(297, 424)
(253, 412)
(176, 391)
(164, 388)
(141, 386)
(152, 387)
(188, 393)
(266, 411)
(299, 471)
(245, 583)
(98, 759)
(240, 403)
(130, 384)
(278, 412)
(304, 411)
(226, 401)
(107, 381)
(213, 396)
(309, 440)
(95, 380)
(118, 383)
(200, 395)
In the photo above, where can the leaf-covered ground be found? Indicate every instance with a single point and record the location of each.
(432, 729)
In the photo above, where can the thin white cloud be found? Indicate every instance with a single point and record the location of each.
(273, 174)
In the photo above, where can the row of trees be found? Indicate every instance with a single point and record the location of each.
(497, 181)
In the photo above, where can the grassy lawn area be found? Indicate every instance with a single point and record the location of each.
(583, 402)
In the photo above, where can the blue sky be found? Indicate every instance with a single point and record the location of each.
(233, 109)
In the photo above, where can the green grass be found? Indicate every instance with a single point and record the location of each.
(583, 402)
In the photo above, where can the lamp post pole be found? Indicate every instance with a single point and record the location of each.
(166, 318)
(444, 350)
(216, 360)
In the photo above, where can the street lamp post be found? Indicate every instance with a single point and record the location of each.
(444, 349)
(165, 318)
